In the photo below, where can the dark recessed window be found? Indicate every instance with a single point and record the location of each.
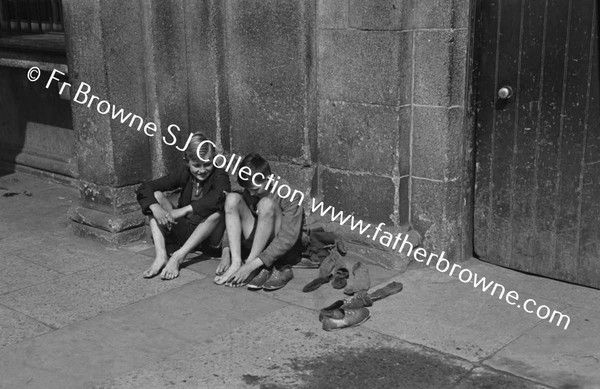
(31, 16)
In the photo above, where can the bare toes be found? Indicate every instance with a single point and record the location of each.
(152, 272)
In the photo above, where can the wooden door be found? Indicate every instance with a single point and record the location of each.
(537, 194)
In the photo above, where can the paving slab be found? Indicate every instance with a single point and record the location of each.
(55, 303)
(296, 353)
(130, 337)
(481, 377)
(112, 283)
(17, 273)
(64, 259)
(15, 327)
(201, 309)
(441, 312)
(138, 247)
(289, 349)
(562, 358)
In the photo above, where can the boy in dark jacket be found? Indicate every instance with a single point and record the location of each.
(198, 219)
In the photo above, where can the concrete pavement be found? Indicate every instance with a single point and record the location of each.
(76, 314)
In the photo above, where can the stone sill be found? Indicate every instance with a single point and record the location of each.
(46, 51)
(53, 42)
(26, 64)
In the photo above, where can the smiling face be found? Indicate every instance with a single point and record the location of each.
(201, 170)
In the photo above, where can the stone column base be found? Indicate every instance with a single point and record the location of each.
(107, 214)
(114, 230)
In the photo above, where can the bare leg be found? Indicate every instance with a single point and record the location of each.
(268, 211)
(225, 262)
(225, 255)
(158, 236)
(204, 230)
(238, 220)
(269, 222)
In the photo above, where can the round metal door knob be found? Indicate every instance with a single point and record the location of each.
(505, 92)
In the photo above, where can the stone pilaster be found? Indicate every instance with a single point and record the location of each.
(105, 51)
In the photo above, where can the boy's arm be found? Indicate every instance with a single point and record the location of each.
(291, 227)
(213, 201)
(145, 192)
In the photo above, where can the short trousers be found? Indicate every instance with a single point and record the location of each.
(292, 257)
(181, 232)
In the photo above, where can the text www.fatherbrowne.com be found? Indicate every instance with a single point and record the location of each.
(84, 96)
(442, 264)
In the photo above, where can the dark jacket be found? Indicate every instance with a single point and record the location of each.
(212, 200)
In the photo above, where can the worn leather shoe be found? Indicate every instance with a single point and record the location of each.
(351, 318)
(315, 284)
(259, 280)
(336, 313)
(359, 300)
(279, 278)
(388, 290)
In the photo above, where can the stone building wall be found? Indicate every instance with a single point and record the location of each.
(360, 104)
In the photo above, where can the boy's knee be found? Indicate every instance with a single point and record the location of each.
(232, 201)
(266, 206)
(159, 196)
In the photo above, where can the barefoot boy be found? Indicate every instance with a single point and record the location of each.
(198, 219)
(263, 229)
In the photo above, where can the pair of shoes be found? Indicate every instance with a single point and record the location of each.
(344, 318)
(362, 299)
(271, 279)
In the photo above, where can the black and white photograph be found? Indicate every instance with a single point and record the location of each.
(311, 194)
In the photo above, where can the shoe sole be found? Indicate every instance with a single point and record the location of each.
(388, 290)
(254, 287)
(272, 288)
(353, 325)
(315, 266)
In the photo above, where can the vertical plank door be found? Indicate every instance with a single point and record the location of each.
(537, 185)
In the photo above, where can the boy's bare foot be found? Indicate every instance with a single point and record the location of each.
(156, 267)
(225, 262)
(171, 270)
(244, 275)
(225, 277)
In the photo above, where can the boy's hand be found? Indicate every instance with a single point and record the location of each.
(159, 213)
(242, 275)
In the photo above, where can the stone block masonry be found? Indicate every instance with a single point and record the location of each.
(357, 103)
